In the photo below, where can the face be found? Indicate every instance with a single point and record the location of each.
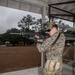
(51, 32)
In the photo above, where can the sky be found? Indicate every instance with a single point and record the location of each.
(9, 18)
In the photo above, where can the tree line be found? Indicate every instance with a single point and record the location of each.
(26, 24)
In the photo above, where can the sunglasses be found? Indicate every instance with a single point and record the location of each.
(48, 30)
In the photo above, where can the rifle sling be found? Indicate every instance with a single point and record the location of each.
(56, 39)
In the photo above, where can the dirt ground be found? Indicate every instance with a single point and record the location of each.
(20, 57)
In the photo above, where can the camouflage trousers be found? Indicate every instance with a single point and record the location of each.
(52, 71)
(59, 72)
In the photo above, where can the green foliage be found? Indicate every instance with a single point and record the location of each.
(1, 43)
(2, 39)
(13, 39)
(25, 22)
(24, 26)
(13, 30)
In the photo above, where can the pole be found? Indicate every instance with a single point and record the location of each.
(73, 64)
(43, 20)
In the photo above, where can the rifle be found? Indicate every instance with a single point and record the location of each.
(30, 35)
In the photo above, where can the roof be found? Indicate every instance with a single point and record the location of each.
(64, 9)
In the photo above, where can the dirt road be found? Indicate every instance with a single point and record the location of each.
(20, 57)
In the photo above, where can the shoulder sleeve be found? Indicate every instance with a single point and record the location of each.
(45, 45)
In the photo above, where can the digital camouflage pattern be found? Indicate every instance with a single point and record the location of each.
(53, 52)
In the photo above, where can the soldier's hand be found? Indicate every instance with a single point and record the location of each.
(36, 36)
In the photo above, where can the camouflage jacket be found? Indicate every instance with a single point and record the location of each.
(54, 51)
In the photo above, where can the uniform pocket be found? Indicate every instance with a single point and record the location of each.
(52, 66)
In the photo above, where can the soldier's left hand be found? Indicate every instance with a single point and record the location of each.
(36, 36)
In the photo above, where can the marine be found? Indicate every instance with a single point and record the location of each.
(53, 46)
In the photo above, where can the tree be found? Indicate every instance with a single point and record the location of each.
(1, 39)
(13, 30)
(37, 25)
(13, 39)
(26, 22)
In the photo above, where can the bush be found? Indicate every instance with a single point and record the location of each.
(1, 43)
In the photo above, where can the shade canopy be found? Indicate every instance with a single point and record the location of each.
(64, 9)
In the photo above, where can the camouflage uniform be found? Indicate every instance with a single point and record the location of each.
(53, 52)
